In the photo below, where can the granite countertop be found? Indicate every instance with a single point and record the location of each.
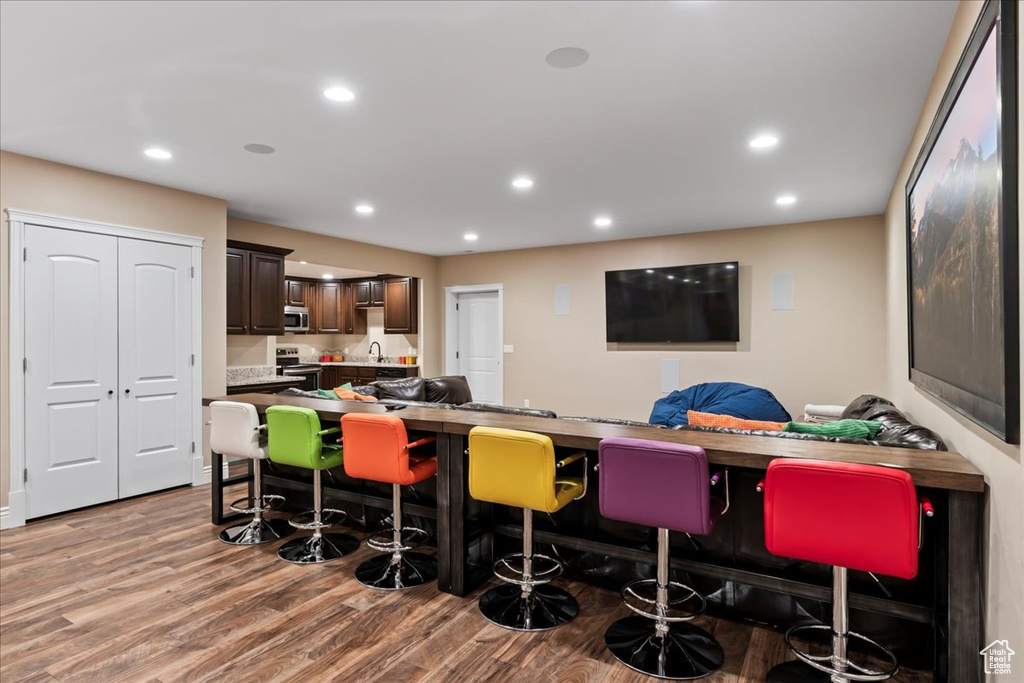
(266, 379)
(371, 365)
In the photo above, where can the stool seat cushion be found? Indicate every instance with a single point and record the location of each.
(294, 439)
(516, 468)
(376, 448)
(658, 484)
(862, 517)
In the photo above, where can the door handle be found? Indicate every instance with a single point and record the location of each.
(110, 392)
(127, 391)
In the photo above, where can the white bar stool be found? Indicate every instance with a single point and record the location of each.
(235, 431)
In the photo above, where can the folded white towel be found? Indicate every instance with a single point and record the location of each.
(824, 410)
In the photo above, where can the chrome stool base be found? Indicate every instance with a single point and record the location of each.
(318, 549)
(256, 531)
(684, 652)
(815, 667)
(544, 608)
(391, 573)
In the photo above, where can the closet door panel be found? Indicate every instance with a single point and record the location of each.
(155, 342)
(70, 332)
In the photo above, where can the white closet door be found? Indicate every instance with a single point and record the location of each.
(479, 348)
(71, 400)
(155, 332)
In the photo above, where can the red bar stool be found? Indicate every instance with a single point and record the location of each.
(850, 516)
(377, 448)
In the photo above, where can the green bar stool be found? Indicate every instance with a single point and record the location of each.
(295, 439)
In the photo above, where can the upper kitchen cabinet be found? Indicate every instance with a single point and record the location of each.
(401, 305)
(361, 294)
(376, 293)
(255, 288)
(295, 293)
(355, 318)
(330, 313)
(238, 291)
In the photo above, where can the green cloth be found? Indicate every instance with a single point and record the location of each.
(327, 393)
(853, 429)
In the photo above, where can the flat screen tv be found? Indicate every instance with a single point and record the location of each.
(680, 304)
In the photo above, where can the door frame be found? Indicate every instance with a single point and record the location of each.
(16, 222)
(451, 337)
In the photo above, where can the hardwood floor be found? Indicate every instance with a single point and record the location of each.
(142, 591)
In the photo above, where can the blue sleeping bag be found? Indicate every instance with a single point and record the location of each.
(720, 398)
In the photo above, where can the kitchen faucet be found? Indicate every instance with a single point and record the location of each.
(380, 356)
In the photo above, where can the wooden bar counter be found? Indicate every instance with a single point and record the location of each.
(945, 600)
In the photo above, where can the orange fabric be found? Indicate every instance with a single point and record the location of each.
(730, 422)
(376, 448)
(349, 395)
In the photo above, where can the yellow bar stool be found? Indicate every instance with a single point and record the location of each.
(515, 468)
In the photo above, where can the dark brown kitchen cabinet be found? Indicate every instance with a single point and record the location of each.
(355, 318)
(330, 312)
(376, 293)
(401, 309)
(266, 272)
(361, 293)
(255, 289)
(295, 293)
(238, 291)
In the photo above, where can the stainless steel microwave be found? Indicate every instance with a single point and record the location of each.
(296, 319)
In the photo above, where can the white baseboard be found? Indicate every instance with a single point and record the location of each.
(208, 473)
(5, 518)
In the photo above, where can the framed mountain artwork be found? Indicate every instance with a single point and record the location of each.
(961, 201)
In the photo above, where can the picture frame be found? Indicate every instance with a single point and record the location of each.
(962, 232)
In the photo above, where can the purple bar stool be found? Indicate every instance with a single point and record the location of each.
(663, 485)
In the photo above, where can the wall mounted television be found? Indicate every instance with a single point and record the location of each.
(680, 304)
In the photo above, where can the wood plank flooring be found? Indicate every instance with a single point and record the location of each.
(142, 591)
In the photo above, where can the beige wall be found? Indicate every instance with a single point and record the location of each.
(827, 350)
(1001, 463)
(333, 251)
(41, 186)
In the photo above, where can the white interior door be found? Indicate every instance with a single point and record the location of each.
(479, 349)
(155, 340)
(71, 401)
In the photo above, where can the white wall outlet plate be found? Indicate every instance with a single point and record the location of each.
(526, 403)
(509, 348)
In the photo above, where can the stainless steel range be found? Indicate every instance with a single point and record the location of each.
(288, 364)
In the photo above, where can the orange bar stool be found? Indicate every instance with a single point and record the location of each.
(377, 448)
(515, 468)
(861, 517)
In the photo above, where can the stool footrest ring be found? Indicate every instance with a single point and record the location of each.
(854, 671)
(682, 602)
(411, 537)
(250, 505)
(328, 517)
(510, 569)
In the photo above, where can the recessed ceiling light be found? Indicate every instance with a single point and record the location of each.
(365, 209)
(567, 57)
(257, 148)
(650, 270)
(696, 282)
(157, 153)
(328, 276)
(785, 200)
(602, 222)
(686, 279)
(764, 141)
(304, 262)
(339, 94)
(522, 183)
(470, 237)
(672, 277)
